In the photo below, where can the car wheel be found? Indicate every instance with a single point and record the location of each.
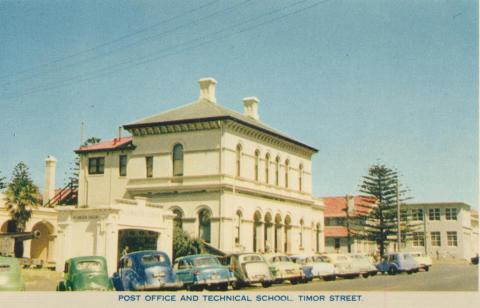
(365, 275)
(266, 284)
(392, 270)
(223, 287)
(293, 281)
(192, 287)
(410, 272)
(236, 285)
(427, 268)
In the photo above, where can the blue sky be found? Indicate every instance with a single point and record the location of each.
(363, 81)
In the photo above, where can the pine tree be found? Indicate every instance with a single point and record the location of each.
(381, 224)
(74, 170)
(22, 196)
(2, 182)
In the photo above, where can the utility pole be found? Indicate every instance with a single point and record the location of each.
(399, 232)
(349, 235)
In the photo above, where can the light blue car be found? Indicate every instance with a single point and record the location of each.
(398, 262)
(198, 272)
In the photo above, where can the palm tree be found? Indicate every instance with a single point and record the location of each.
(21, 197)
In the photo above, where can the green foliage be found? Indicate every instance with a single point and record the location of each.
(21, 196)
(2, 182)
(381, 225)
(184, 245)
(74, 169)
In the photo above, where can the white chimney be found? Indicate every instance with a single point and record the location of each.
(207, 89)
(250, 107)
(49, 188)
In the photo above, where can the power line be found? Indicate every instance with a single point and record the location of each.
(142, 40)
(113, 41)
(146, 60)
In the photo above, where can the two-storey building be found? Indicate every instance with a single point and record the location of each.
(220, 175)
(444, 230)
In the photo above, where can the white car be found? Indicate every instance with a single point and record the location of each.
(344, 265)
(321, 268)
(423, 260)
(284, 268)
(364, 264)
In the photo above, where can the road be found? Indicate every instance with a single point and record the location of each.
(441, 277)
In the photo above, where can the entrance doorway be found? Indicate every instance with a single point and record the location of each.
(131, 240)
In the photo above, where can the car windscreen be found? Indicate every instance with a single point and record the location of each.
(90, 265)
(252, 258)
(151, 260)
(206, 261)
(281, 259)
(4, 267)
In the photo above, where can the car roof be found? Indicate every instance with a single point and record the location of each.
(190, 257)
(87, 258)
(8, 260)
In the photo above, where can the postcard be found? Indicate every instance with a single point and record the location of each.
(245, 153)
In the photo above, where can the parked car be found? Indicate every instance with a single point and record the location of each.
(398, 262)
(198, 272)
(364, 264)
(248, 268)
(88, 273)
(10, 275)
(284, 268)
(145, 270)
(344, 265)
(322, 268)
(306, 266)
(423, 260)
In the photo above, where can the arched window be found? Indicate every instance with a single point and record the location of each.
(238, 222)
(267, 167)
(178, 220)
(300, 175)
(287, 166)
(257, 161)
(178, 160)
(301, 233)
(277, 170)
(238, 159)
(204, 225)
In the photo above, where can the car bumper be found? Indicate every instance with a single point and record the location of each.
(163, 285)
(212, 282)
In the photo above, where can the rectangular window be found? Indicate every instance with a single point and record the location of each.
(451, 214)
(337, 243)
(434, 214)
(452, 238)
(418, 239)
(149, 166)
(122, 165)
(435, 238)
(417, 214)
(96, 165)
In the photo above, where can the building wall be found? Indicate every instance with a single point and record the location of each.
(462, 226)
(358, 246)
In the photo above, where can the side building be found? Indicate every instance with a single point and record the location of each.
(344, 216)
(446, 230)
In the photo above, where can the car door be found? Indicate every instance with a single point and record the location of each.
(127, 274)
(184, 271)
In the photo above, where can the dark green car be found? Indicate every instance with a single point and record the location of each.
(85, 274)
(10, 276)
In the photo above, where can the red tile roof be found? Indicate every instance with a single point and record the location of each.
(109, 145)
(336, 206)
(336, 231)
